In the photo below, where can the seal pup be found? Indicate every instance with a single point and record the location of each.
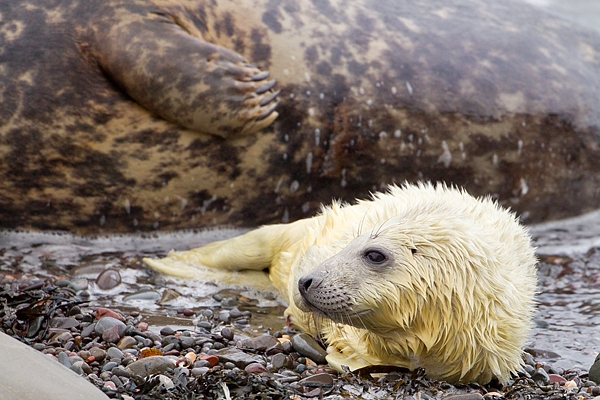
(420, 276)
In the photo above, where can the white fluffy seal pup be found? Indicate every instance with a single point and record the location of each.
(421, 276)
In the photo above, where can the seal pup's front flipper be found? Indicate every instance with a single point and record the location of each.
(160, 59)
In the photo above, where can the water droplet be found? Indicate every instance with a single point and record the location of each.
(409, 88)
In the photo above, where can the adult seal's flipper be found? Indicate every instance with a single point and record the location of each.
(160, 60)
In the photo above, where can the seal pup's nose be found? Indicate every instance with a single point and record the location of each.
(304, 284)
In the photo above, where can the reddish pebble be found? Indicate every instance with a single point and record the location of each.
(142, 326)
(171, 353)
(105, 312)
(255, 368)
(556, 378)
(213, 360)
(90, 359)
(187, 312)
(110, 384)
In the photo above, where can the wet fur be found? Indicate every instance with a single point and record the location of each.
(457, 300)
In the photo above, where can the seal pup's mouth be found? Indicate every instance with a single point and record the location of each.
(313, 295)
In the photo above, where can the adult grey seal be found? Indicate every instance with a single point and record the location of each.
(125, 115)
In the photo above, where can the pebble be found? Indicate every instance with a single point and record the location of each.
(114, 352)
(126, 342)
(199, 371)
(255, 368)
(64, 322)
(98, 353)
(105, 323)
(105, 312)
(148, 295)
(108, 279)
(594, 373)
(150, 365)
(304, 344)
(540, 375)
(111, 334)
(227, 333)
(238, 357)
(464, 396)
(260, 343)
(281, 361)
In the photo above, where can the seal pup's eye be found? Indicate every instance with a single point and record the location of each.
(413, 251)
(375, 257)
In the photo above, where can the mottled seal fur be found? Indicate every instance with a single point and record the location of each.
(421, 276)
(120, 115)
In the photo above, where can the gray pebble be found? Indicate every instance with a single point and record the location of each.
(120, 371)
(63, 358)
(200, 371)
(64, 322)
(227, 333)
(108, 279)
(308, 347)
(126, 342)
(114, 352)
(107, 322)
(229, 365)
(541, 376)
(238, 357)
(150, 365)
(98, 353)
(201, 364)
(167, 330)
(109, 365)
(149, 295)
(260, 343)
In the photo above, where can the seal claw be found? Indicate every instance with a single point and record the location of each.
(267, 112)
(269, 98)
(266, 87)
(260, 76)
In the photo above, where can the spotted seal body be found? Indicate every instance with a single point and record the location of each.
(125, 115)
(422, 276)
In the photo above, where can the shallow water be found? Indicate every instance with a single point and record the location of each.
(569, 272)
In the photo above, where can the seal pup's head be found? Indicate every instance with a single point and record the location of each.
(440, 284)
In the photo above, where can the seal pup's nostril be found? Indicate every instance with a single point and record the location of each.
(304, 284)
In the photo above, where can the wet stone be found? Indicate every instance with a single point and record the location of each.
(238, 357)
(308, 347)
(64, 322)
(464, 396)
(186, 342)
(63, 358)
(108, 322)
(148, 295)
(541, 376)
(114, 352)
(79, 284)
(199, 371)
(109, 366)
(150, 365)
(108, 279)
(260, 343)
(205, 325)
(255, 368)
(126, 342)
(120, 371)
(167, 331)
(98, 353)
(227, 333)
(281, 361)
(111, 334)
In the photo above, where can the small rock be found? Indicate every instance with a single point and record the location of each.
(556, 378)
(238, 357)
(280, 360)
(255, 368)
(594, 374)
(260, 343)
(200, 371)
(114, 352)
(167, 331)
(111, 334)
(540, 375)
(120, 371)
(308, 347)
(148, 295)
(464, 396)
(126, 342)
(63, 358)
(211, 359)
(108, 279)
(109, 366)
(150, 365)
(63, 322)
(107, 322)
(98, 353)
(105, 312)
(227, 333)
